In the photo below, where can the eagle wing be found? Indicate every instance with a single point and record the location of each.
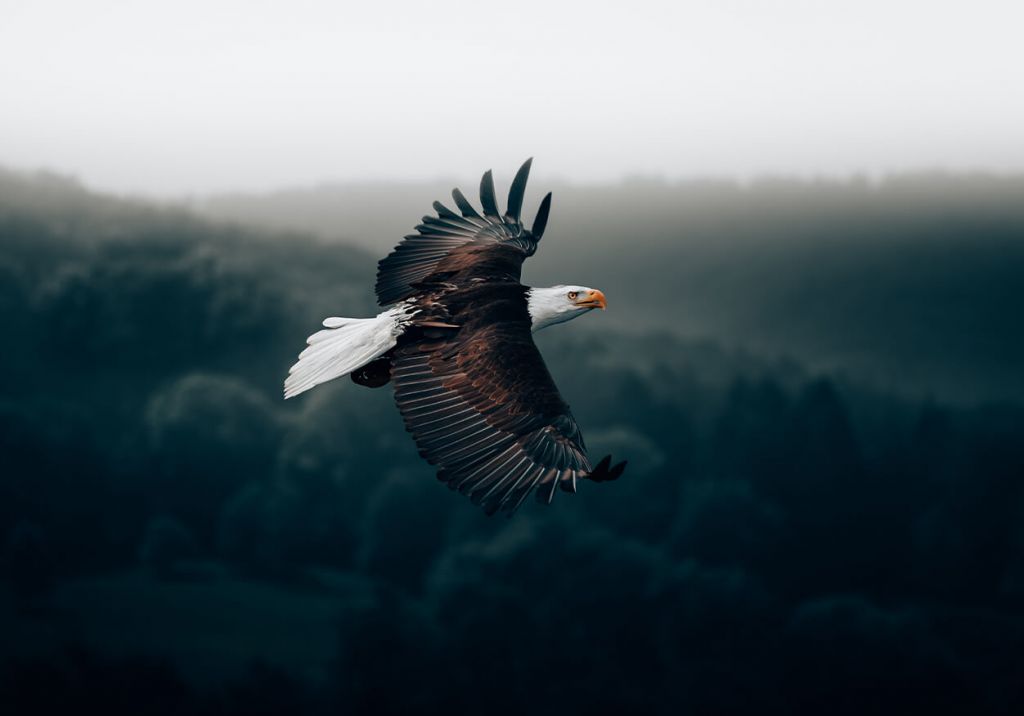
(458, 247)
(482, 407)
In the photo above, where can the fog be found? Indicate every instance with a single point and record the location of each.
(911, 283)
(192, 97)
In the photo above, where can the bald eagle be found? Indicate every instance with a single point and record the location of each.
(455, 340)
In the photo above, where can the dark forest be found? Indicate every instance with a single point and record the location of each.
(818, 387)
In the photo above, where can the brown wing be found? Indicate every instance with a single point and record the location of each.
(453, 247)
(482, 406)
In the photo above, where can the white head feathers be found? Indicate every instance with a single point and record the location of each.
(558, 304)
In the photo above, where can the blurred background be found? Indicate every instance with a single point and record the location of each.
(808, 221)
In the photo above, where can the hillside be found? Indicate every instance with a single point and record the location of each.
(171, 530)
(914, 283)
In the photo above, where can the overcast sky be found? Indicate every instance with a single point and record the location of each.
(198, 96)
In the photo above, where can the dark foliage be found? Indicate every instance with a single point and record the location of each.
(176, 539)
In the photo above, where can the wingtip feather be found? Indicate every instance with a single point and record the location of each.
(518, 190)
(541, 222)
(488, 200)
(464, 206)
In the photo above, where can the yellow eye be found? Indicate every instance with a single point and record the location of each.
(573, 295)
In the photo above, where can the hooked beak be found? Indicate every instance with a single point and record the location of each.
(592, 299)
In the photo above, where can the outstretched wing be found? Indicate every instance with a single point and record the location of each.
(482, 406)
(458, 247)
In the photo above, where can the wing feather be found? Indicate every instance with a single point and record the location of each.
(518, 190)
(541, 222)
(467, 209)
(472, 245)
(494, 423)
(488, 200)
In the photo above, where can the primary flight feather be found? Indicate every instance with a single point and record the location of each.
(455, 340)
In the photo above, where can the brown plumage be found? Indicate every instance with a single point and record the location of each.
(457, 249)
(472, 387)
(482, 406)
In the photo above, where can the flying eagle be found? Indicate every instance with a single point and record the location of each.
(455, 339)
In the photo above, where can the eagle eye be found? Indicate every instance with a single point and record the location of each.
(573, 295)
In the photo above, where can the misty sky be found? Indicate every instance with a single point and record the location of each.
(190, 97)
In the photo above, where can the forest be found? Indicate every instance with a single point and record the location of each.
(817, 386)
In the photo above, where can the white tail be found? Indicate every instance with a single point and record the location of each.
(343, 346)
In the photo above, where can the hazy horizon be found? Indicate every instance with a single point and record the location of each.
(188, 99)
(445, 181)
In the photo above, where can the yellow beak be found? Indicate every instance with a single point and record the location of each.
(592, 299)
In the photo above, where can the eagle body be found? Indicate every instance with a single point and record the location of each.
(455, 341)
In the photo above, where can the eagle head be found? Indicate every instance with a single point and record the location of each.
(558, 304)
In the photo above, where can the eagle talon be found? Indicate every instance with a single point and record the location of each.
(602, 473)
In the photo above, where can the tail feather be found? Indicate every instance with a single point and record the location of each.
(345, 345)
